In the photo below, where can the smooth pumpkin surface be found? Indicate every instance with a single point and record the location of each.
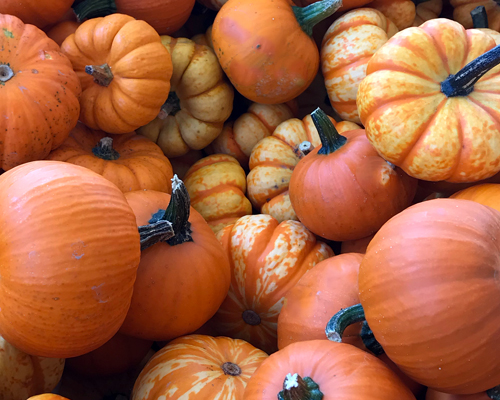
(178, 287)
(429, 288)
(130, 161)
(435, 395)
(199, 366)
(62, 30)
(48, 396)
(340, 370)
(22, 375)
(124, 70)
(487, 194)
(462, 9)
(38, 93)
(427, 10)
(355, 246)
(36, 12)
(347, 47)
(69, 268)
(267, 259)
(413, 124)
(401, 12)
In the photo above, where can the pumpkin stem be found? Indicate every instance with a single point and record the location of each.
(341, 320)
(304, 148)
(177, 213)
(104, 149)
(479, 17)
(230, 368)
(462, 83)
(102, 74)
(251, 317)
(494, 393)
(87, 9)
(6, 73)
(312, 14)
(297, 388)
(171, 106)
(331, 139)
(369, 340)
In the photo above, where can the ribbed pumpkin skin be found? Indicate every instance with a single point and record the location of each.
(40, 102)
(217, 186)
(35, 12)
(178, 288)
(141, 165)
(267, 259)
(435, 395)
(22, 375)
(69, 251)
(141, 68)
(191, 366)
(401, 12)
(347, 47)
(428, 285)
(342, 372)
(427, 10)
(462, 9)
(413, 124)
(487, 194)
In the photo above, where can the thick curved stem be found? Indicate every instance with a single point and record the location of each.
(104, 150)
(369, 340)
(340, 321)
(6, 73)
(297, 388)
(331, 140)
(494, 393)
(479, 18)
(160, 231)
(314, 13)
(101, 73)
(87, 9)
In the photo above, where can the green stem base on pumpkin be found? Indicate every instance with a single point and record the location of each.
(6, 73)
(297, 388)
(105, 151)
(494, 393)
(479, 18)
(87, 9)
(230, 368)
(462, 83)
(171, 107)
(314, 13)
(177, 213)
(101, 73)
(331, 140)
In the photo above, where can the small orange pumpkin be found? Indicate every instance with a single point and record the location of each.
(401, 12)
(480, 21)
(487, 194)
(62, 30)
(463, 8)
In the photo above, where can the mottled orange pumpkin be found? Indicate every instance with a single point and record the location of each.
(62, 30)
(427, 10)
(267, 259)
(487, 194)
(401, 12)
(36, 12)
(462, 9)
(199, 367)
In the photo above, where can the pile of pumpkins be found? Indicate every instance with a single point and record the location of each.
(249, 199)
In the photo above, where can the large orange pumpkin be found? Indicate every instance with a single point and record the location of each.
(38, 93)
(462, 9)
(124, 70)
(267, 259)
(69, 252)
(130, 161)
(199, 367)
(39, 13)
(401, 12)
(265, 46)
(424, 115)
(487, 194)
(181, 281)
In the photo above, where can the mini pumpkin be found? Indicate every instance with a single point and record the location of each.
(130, 161)
(463, 8)
(427, 10)
(401, 12)
(199, 103)
(487, 194)
(480, 21)
(39, 13)
(124, 70)
(62, 30)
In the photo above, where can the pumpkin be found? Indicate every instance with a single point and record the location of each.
(166, 16)
(428, 289)
(256, 52)
(424, 120)
(346, 4)
(267, 259)
(204, 39)
(216, 185)
(401, 12)
(318, 369)
(199, 367)
(239, 138)
(487, 194)
(199, 103)
(62, 30)
(38, 93)
(372, 190)
(480, 21)
(130, 161)
(347, 47)
(48, 396)
(39, 13)
(272, 162)
(171, 295)
(427, 10)
(69, 252)
(462, 9)
(124, 71)
(322, 291)
(182, 164)
(355, 246)
(119, 354)
(435, 395)
(22, 375)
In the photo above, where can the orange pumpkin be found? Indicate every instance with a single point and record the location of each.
(427, 10)
(199, 367)
(487, 194)
(272, 162)
(462, 9)
(347, 47)
(48, 396)
(62, 30)
(267, 259)
(238, 138)
(217, 186)
(124, 71)
(130, 161)
(38, 93)
(39, 13)
(480, 21)
(165, 16)
(254, 40)
(401, 12)
(424, 120)
(435, 395)
(171, 295)
(69, 252)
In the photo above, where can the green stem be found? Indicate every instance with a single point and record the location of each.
(87, 9)
(105, 151)
(494, 393)
(479, 17)
(309, 16)
(101, 73)
(297, 388)
(340, 321)
(331, 140)
(369, 340)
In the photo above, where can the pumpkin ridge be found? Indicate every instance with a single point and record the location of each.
(351, 63)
